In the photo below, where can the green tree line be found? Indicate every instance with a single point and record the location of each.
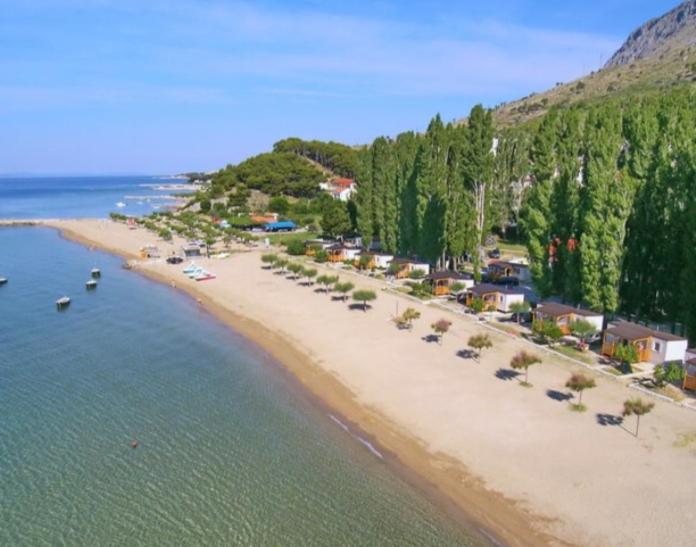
(337, 157)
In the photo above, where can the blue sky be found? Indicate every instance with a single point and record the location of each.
(155, 86)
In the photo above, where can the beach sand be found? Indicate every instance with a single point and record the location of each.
(516, 461)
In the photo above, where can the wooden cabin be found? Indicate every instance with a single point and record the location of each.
(376, 260)
(442, 281)
(405, 266)
(503, 268)
(342, 253)
(651, 345)
(495, 297)
(314, 245)
(690, 370)
(563, 316)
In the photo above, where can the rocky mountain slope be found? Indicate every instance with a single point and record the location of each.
(659, 55)
(676, 28)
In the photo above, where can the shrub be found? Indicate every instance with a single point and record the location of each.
(416, 274)
(321, 256)
(364, 296)
(295, 247)
(579, 383)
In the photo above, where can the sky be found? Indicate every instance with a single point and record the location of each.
(168, 86)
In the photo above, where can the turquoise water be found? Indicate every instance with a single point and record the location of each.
(230, 452)
(83, 197)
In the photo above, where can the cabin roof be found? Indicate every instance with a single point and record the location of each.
(554, 309)
(504, 263)
(448, 275)
(633, 331)
(404, 260)
(488, 288)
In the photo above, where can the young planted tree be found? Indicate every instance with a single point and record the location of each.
(548, 331)
(410, 315)
(281, 264)
(584, 330)
(327, 281)
(519, 308)
(522, 361)
(477, 305)
(579, 383)
(310, 274)
(364, 296)
(626, 355)
(296, 269)
(343, 289)
(269, 260)
(440, 328)
(479, 342)
(638, 407)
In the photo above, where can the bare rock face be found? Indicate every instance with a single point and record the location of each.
(676, 28)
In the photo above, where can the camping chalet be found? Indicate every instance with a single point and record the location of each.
(494, 297)
(563, 316)
(502, 268)
(403, 267)
(651, 345)
(442, 282)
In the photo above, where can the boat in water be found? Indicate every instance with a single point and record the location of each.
(96, 272)
(62, 302)
(91, 284)
(3, 280)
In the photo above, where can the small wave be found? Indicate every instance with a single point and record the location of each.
(364, 442)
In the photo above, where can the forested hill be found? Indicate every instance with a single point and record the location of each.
(338, 158)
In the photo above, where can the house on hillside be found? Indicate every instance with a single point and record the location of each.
(339, 188)
(502, 268)
(563, 316)
(403, 267)
(442, 282)
(494, 297)
(651, 345)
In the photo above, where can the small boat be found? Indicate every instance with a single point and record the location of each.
(192, 267)
(3, 280)
(205, 277)
(120, 204)
(62, 302)
(96, 272)
(197, 272)
(91, 284)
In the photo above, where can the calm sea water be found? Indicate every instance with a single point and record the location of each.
(82, 197)
(230, 453)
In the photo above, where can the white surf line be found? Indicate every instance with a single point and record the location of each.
(367, 444)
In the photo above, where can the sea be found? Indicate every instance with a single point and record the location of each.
(229, 450)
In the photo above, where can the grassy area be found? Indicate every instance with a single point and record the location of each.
(512, 248)
(285, 237)
(573, 353)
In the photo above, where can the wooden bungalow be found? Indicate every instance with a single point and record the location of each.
(690, 370)
(314, 245)
(405, 266)
(503, 268)
(651, 345)
(442, 281)
(564, 316)
(342, 253)
(376, 260)
(494, 297)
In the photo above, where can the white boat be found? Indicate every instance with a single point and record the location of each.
(96, 272)
(91, 284)
(3, 280)
(192, 267)
(196, 273)
(62, 302)
(120, 204)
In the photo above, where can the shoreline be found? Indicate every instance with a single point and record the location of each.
(478, 510)
(494, 457)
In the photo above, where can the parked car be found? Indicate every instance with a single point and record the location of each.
(494, 253)
(174, 260)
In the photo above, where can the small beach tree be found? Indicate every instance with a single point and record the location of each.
(343, 289)
(295, 269)
(522, 361)
(440, 327)
(579, 383)
(477, 305)
(479, 342)
(638, 407)
(326, 281)
(281, 264)
(310, 274)
(269, 260)
(209, 242)
(410, 315)
(364, 296)
(518, 309)
(584, 330)
(548, 331)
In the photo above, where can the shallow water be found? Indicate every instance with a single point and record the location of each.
(230, 452)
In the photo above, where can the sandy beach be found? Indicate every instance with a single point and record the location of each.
(516, 460)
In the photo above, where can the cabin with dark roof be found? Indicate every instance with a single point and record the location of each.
(403, 267)
(651, 345)
(502, 268)
(563, 316)
(494, 297)
(442, 282)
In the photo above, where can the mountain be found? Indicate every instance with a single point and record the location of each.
(674, 29)
(659, 55)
